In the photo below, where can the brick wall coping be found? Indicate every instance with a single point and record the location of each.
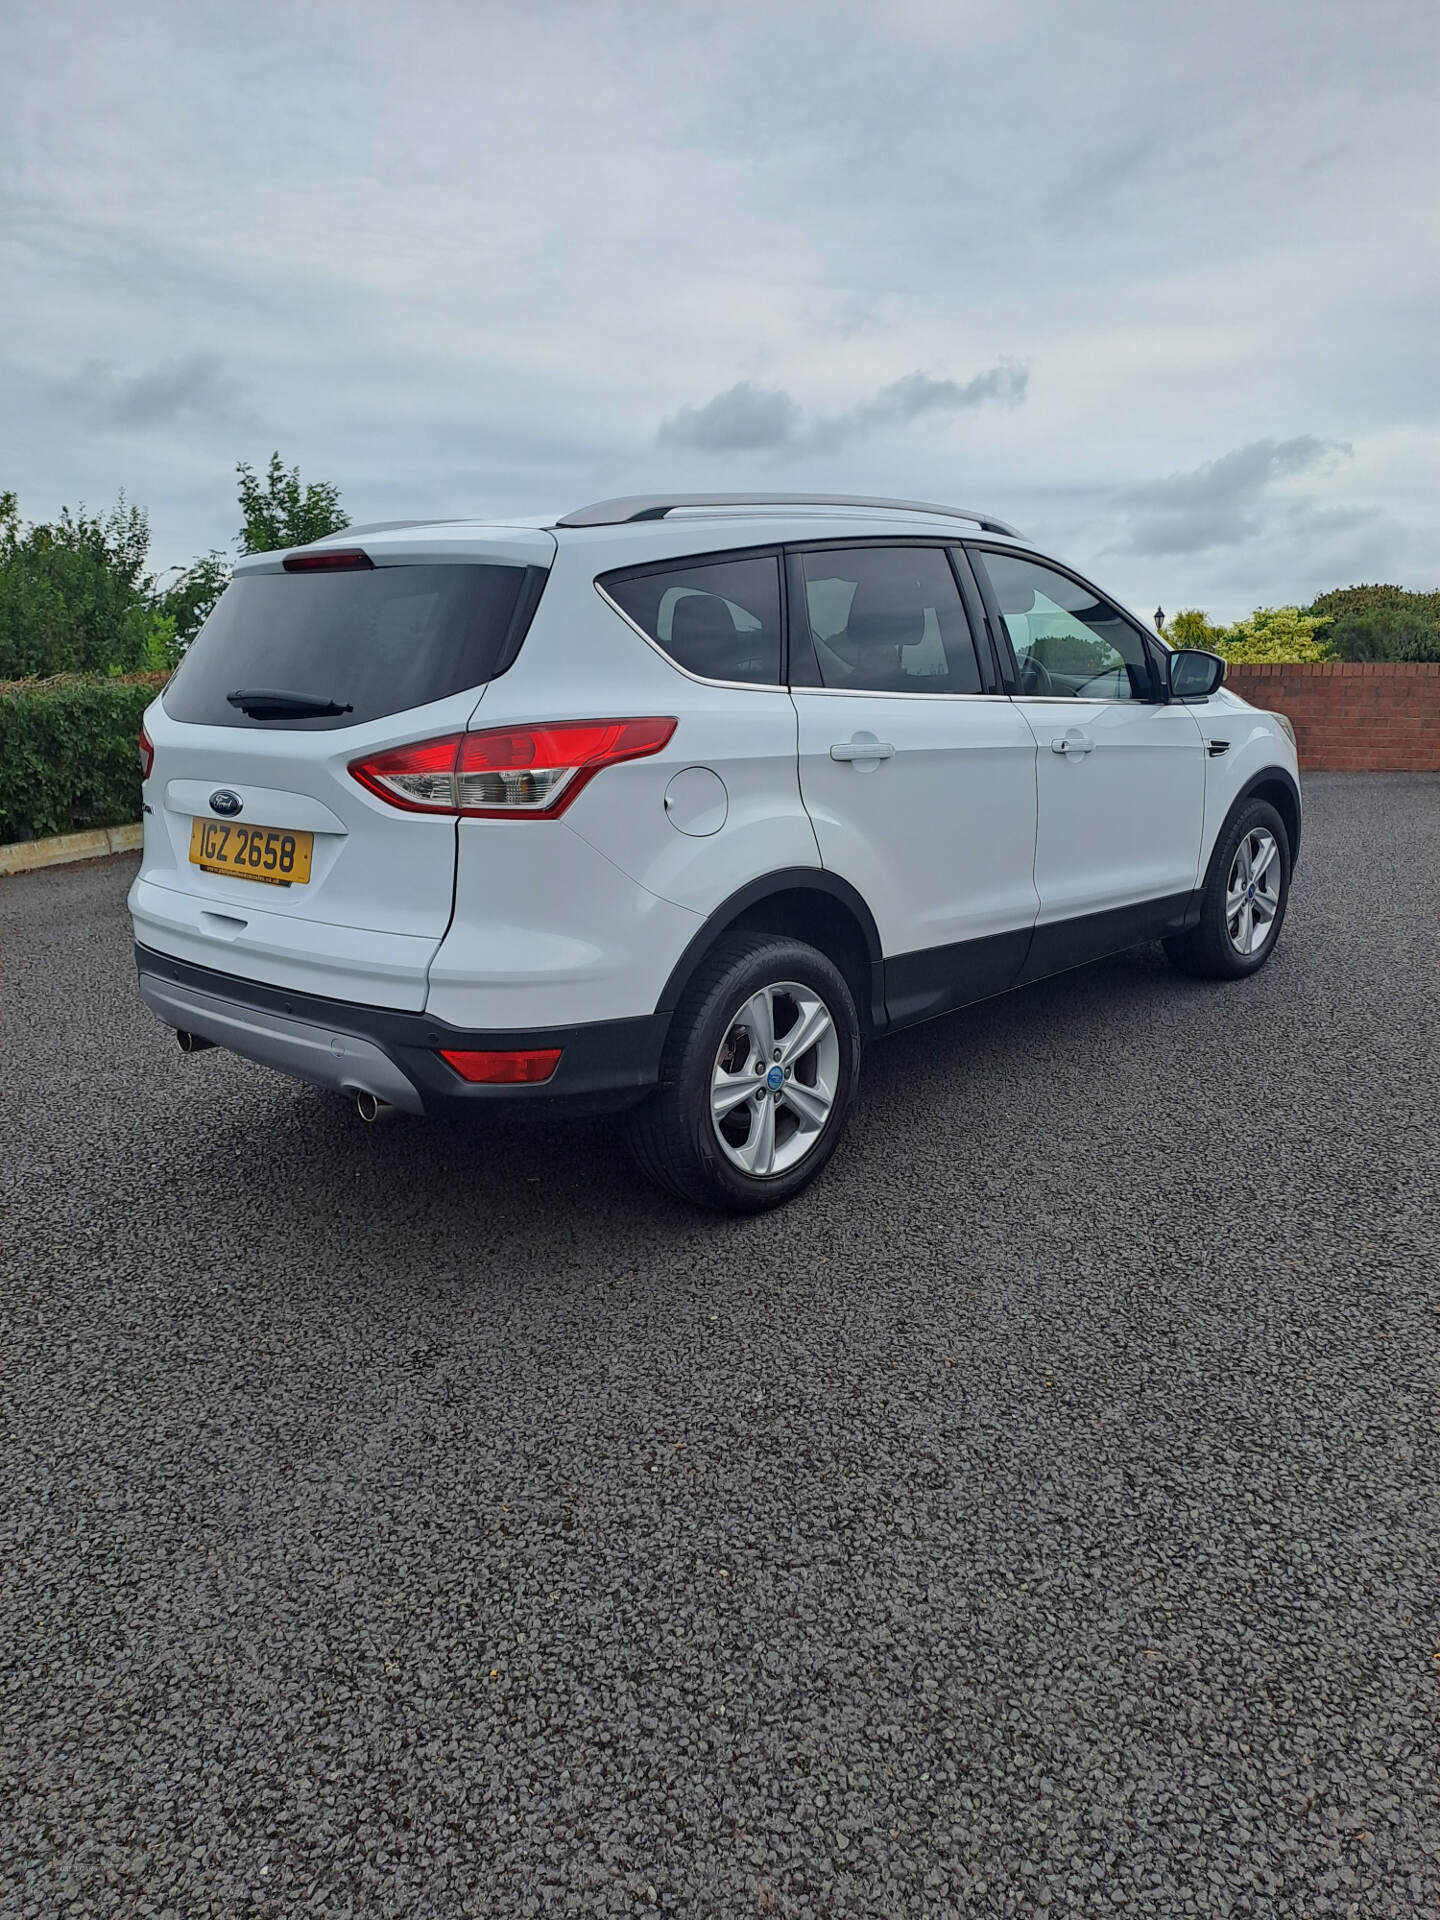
(1332, 669)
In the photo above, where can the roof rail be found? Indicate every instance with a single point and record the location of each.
(655, 506)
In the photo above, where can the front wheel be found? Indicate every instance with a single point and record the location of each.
(1246, 892)
(759, 1073)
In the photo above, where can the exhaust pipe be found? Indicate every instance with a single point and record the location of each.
(192, 1042)
(371, 1107)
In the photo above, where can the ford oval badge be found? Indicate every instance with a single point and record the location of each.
(223, 801)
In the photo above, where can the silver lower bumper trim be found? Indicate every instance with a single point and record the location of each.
(339, 1061)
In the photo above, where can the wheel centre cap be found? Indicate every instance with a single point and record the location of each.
(775, 1079)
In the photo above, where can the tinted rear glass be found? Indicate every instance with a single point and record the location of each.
(720, 619)
(888, 620)
(375, 642)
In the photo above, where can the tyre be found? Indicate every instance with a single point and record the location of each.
(1243, 906)
(758, 1076)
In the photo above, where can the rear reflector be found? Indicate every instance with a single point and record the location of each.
(147, 755)
(525, 1069)
(333, 560)
(507, 773)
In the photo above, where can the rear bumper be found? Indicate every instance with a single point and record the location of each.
(395, 1055)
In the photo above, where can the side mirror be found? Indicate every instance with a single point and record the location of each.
(1194, 675)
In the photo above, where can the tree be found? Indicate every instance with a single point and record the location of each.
(1191, 628)
(1387, 633)
(74, 593)
(1381, 623)
(281, 513)
(190, 596)
(1346, 600)
(1271, 633)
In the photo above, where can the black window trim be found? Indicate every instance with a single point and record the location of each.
(527, 603)
(801, 648)
(1001, 673)
(1000, 633)
(679, 562)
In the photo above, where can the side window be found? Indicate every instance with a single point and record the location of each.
(719, 619)
(888, 620)
(1068, 643)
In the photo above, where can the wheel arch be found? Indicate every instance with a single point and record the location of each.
(1275, 785)
(807, 904)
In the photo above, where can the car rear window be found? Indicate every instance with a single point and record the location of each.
(373, 642)
(718, 619)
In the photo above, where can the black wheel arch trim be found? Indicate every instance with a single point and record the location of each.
(786, 880)
(1269, 777)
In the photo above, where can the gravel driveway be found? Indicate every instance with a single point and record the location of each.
(1040, 1515)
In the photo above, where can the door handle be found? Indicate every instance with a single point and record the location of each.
(862, 750)
(1073, 744)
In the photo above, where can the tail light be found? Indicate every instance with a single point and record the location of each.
(507, 773)
(329, 560)
(525, 1068)
(147, 755)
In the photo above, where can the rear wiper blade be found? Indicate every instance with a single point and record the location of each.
(264, 703)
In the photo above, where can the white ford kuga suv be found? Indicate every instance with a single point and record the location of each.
(669, 806)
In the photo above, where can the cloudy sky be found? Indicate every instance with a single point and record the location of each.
(1158, 282)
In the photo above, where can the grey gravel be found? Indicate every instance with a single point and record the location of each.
(1040, 1516)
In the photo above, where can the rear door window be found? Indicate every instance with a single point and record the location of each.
(718, 619)
(373, 642)
(888, 620)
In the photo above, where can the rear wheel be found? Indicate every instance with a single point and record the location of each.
(759, 1073)
(1246, 893)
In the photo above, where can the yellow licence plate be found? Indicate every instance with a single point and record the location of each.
(275, 855)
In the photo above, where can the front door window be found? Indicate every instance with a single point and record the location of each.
(1068, 642)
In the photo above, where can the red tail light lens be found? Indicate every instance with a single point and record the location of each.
(332, 560)
(147, 755)
(507, 773)
(420, 778)
(523, 1069)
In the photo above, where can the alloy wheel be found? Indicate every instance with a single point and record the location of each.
(1252, 893)
(773, 1084)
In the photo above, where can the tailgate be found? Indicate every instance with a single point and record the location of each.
(264, 857)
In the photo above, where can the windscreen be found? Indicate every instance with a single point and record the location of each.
(362, 644)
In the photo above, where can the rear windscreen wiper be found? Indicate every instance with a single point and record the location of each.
(264, 703)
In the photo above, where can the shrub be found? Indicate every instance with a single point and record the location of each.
(1387, 633)
(1190, 628)
(1340, 602)
(68, 757)
(1274, 633)
(1270, 634)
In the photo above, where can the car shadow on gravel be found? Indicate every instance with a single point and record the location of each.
(936, 1103)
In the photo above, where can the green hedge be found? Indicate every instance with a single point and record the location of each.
(1341, 602)
(68, 755)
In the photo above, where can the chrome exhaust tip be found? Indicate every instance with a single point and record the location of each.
(371, 1108)
(192, 1042)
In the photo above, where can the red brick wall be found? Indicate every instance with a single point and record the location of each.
(1381, 717)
